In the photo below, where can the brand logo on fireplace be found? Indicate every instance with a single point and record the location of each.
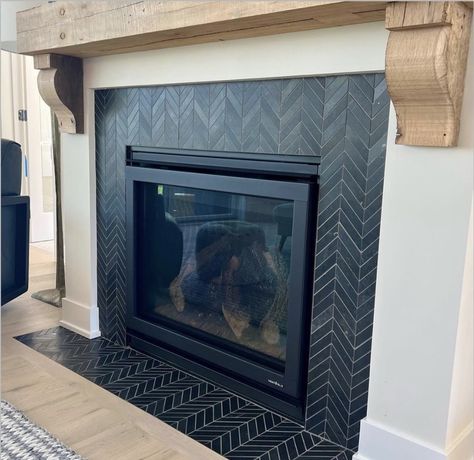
(274, 382)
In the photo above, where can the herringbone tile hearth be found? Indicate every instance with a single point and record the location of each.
(227, 423)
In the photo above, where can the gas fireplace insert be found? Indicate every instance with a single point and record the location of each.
(220, 250)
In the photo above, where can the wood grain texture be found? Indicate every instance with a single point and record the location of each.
(87, 418)
(402, 15)
(87, 29)
(60, 85)
(425, 68)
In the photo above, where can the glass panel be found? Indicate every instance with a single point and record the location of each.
(216, 264)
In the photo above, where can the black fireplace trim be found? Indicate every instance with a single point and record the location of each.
(291, 166)
(286, 390)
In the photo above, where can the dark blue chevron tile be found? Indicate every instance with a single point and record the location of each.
(186, 116)
(362, 91)
(133, 116)
(217, 116)
(363, 335)
(171, 395)
(233, 117)
(335, 429)
(118, 370)
(329, 215)
(144, 115)
(158, 115)
(201, 411)
(201, 117)
(108, 355)
(144, 382)
(319, 371)
(353, 192)
(365, 317)
(270, 119)
(229, 432)
(325, 451)
(357, 137)
(330, 195)
(278, 442)
(358, 125)
(358, 403)
(312, 115)
(344, 455)
(335, 117)
(336, 90)
(342, 118)
(291, 108)
(251, 116)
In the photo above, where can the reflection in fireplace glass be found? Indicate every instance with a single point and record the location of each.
(215, 265)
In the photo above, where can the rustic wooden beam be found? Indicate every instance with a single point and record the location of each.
(425, 67)
(60, 83)
(85, 29)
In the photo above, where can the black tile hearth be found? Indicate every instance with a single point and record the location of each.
(226, 423)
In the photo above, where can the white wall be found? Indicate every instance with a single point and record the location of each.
(19, 90)
(8, 9)
(13, 98)
(6, 99)
(426, 210)
(425, 218)
(13, 95)
(80, 312)
(418, 329)
(461, 404)
(350, 49)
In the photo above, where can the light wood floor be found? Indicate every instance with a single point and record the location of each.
(90, 420)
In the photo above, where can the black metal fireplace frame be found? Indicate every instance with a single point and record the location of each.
(293, 178)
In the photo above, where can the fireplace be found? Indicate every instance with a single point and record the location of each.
(220, 262)
(320, 117)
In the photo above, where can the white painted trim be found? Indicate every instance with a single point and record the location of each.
(463, 448)
(80, 318)
(339, 50)
(378, 442)
(80, 331)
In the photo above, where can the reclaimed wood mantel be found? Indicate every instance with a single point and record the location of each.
(425, 60)
(96, 28)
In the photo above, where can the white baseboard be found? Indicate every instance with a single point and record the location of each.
(79, 330)
(378, 442)
(79, 318)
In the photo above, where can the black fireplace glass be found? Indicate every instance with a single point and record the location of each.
(215, 265)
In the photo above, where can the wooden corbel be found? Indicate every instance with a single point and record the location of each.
(60, 85)
(425, 66)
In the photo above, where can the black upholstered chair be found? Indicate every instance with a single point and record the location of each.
(15, 224)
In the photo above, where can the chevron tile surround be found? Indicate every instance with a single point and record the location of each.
(342, 118)
(222, 421)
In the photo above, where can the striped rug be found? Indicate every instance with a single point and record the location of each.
(23, 440)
